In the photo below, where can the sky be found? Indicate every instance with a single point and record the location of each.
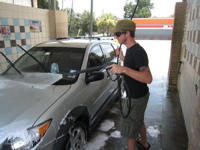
(162, 8)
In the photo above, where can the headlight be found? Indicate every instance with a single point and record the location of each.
(26, 139)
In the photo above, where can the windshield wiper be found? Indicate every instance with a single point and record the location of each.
(43, 67)
(11, 64)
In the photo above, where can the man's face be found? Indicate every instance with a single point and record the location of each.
(120, 36)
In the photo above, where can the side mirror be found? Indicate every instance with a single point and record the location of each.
(94, 76)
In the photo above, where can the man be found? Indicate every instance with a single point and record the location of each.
(136, 75)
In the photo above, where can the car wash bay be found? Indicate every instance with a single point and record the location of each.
(164, 120)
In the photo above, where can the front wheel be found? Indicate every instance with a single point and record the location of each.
(76, 137)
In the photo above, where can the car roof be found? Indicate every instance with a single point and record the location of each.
(73, 42)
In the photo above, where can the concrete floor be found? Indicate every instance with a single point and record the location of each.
(163, 118)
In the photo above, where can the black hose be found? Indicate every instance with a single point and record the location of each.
(121, 82)
(134, 10)
(122, 86)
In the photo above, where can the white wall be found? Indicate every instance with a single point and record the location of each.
(189, 77)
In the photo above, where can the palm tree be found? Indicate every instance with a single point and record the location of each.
(106, 23)
(101, 26)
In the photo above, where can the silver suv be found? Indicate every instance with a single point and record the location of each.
(47, 103)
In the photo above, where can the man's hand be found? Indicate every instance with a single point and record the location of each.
(116, 69)
(119, 53)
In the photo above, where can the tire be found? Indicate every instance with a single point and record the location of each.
(77, 137)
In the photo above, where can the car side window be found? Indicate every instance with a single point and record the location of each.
(96, 57)
(109, 51)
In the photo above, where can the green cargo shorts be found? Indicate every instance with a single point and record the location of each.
(131, 125)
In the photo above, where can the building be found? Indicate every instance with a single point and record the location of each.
(27, 26)
(154, 28)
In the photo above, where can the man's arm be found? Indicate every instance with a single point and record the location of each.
(143, 75)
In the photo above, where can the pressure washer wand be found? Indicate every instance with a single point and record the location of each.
(90, 69)
(119, 54)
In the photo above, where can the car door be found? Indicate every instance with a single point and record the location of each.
(98, 90)
(110, 56)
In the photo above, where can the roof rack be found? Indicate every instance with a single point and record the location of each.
(62, 38)
(90, 38)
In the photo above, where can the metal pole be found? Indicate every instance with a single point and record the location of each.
(91, 18)
(49, 2)
(70, 18)
(53, 4)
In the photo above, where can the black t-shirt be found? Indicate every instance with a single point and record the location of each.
(135, 58)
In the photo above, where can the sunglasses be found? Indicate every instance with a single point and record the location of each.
(118, 34)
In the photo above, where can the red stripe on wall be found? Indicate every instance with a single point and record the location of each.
(154, 26)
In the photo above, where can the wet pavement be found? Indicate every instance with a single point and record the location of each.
(163, 118)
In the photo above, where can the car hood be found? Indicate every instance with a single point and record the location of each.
(26, 102)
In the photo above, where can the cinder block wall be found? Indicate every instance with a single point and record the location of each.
(189, 77)
(54, 24)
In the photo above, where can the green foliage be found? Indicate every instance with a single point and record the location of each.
(73, 22)
(106, 23)
(85, 22)
(79, 24)
(143, 10)
(44, 4)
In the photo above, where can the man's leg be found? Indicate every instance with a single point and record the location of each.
(143, 139)
(131, 144)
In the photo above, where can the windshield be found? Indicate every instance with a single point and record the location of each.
(59, 60)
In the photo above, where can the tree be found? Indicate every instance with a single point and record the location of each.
(85, 22)
(143, 10)
(44, 4)
(79, 24)
(106, 23)
(73, 22)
